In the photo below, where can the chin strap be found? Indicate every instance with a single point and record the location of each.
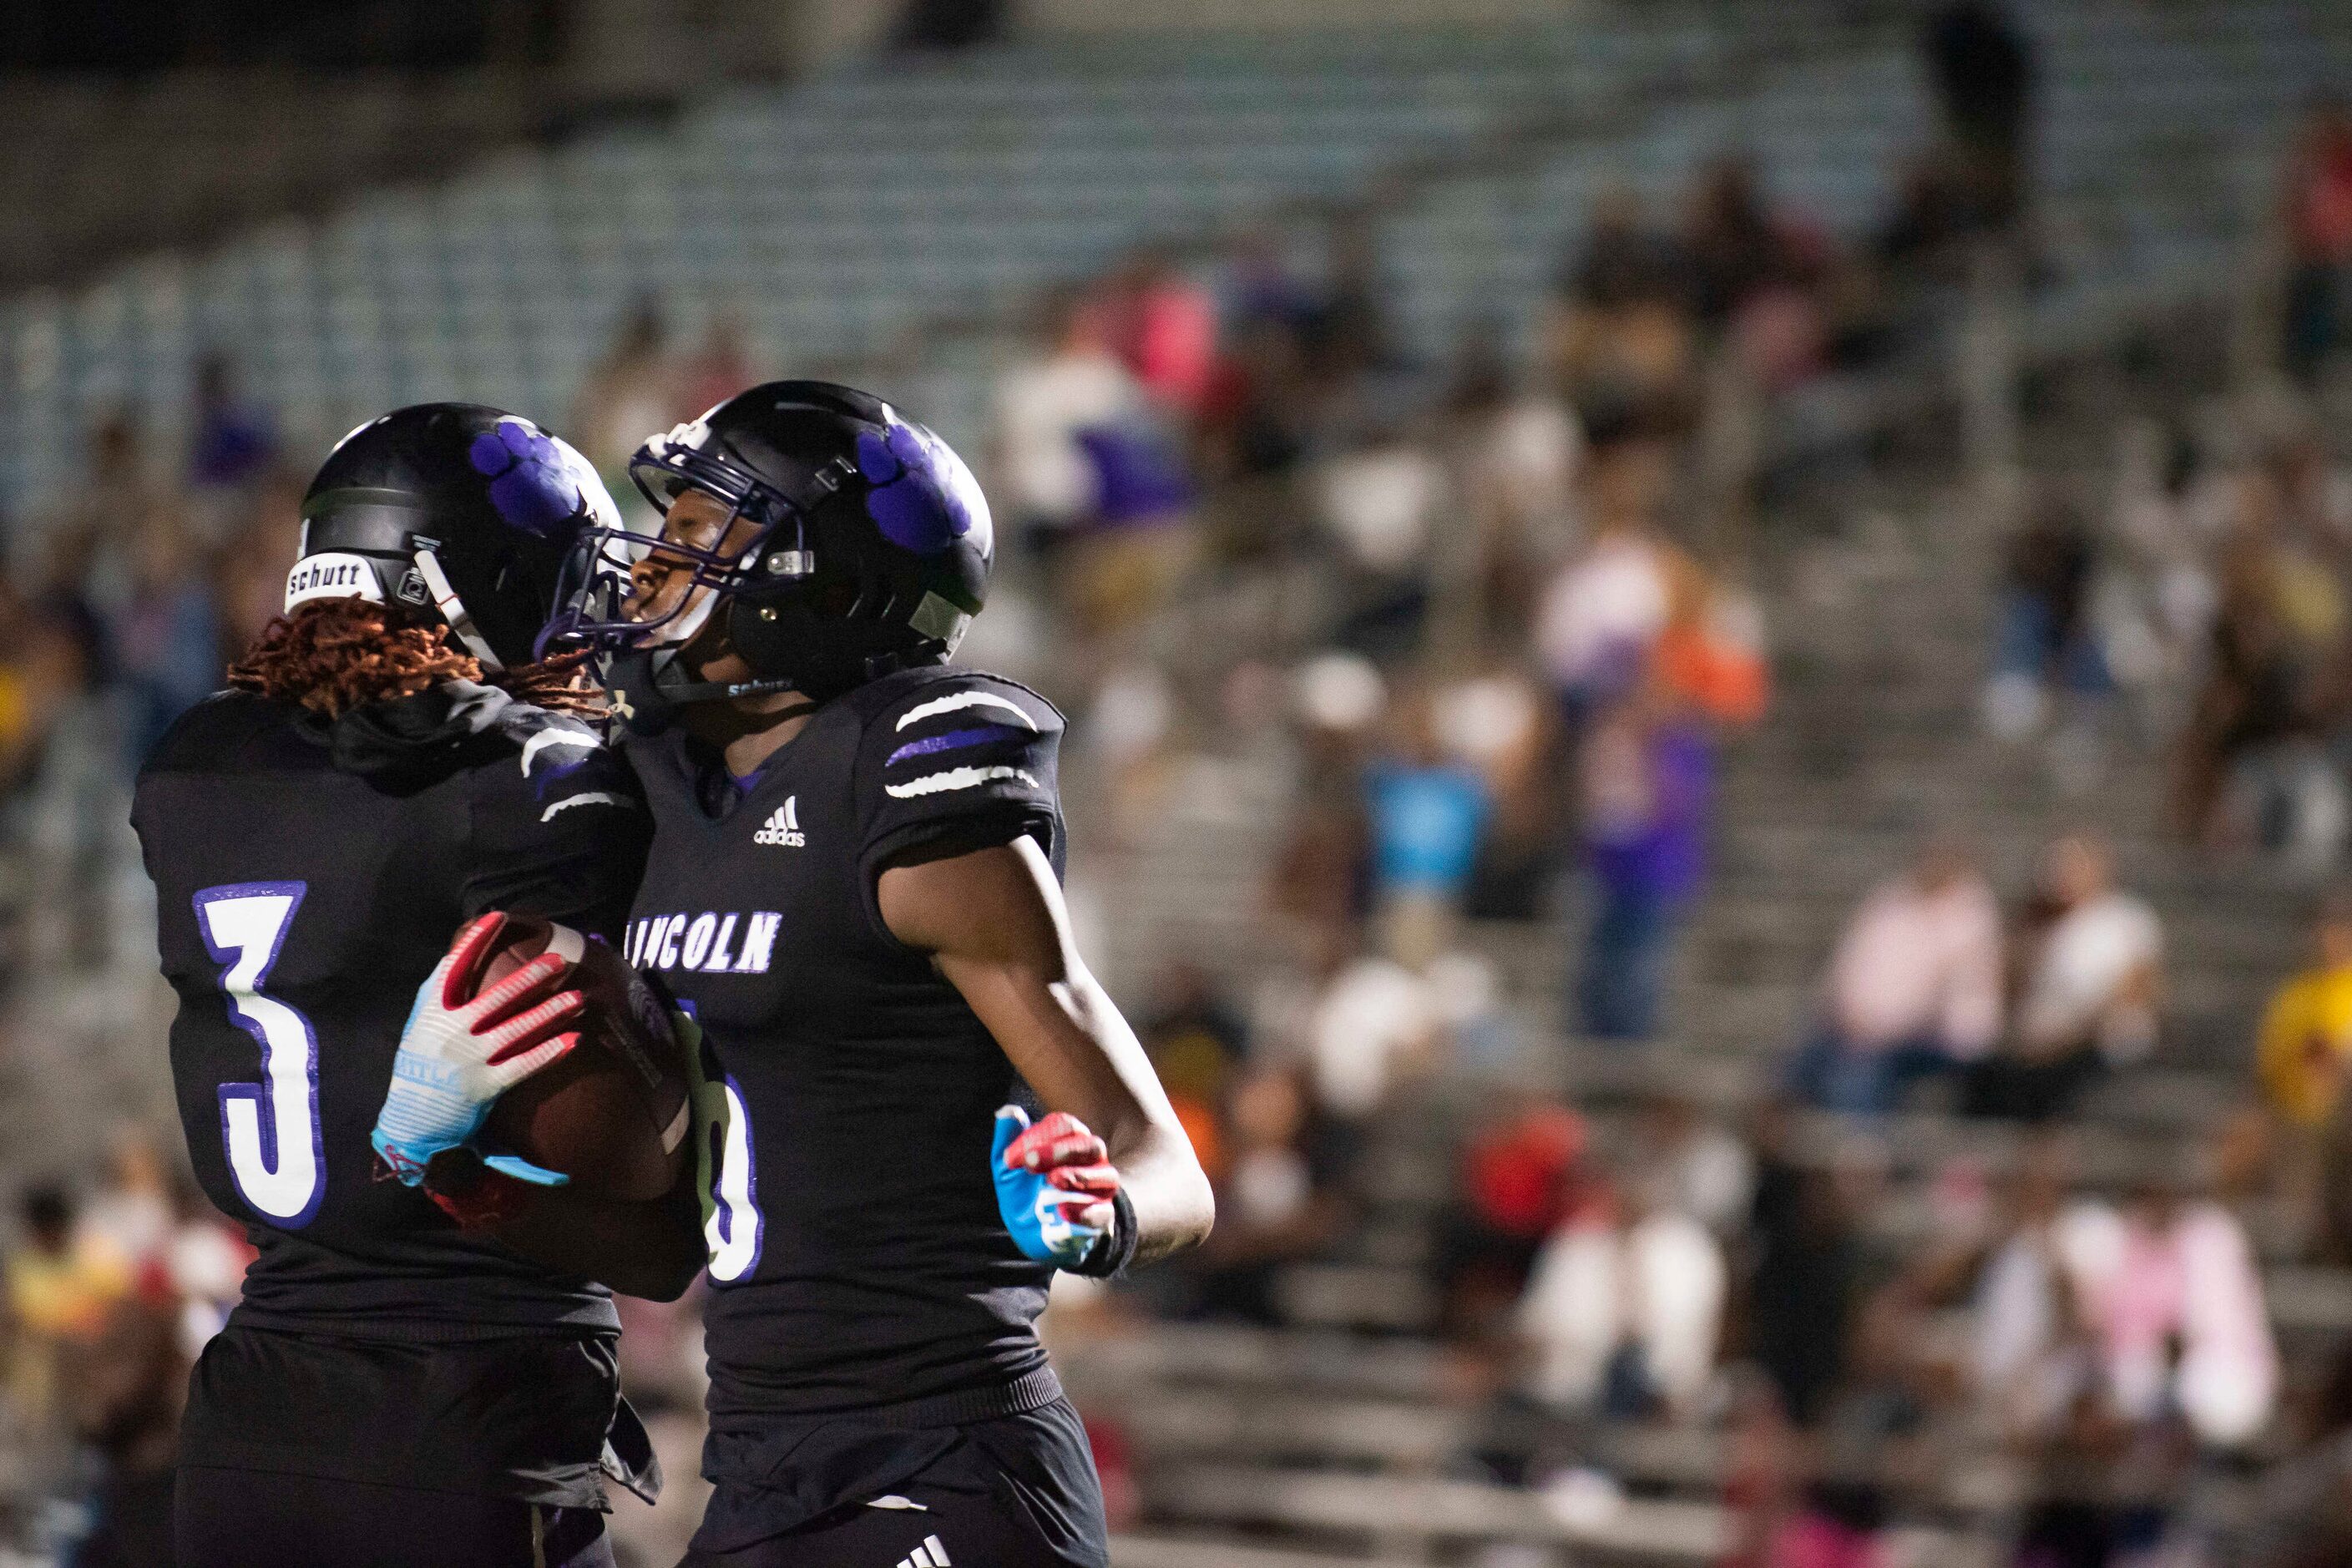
(930, 650)
(645, 699)
(453, 609)
(685, 692)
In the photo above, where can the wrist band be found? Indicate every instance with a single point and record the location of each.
(1110, 1257)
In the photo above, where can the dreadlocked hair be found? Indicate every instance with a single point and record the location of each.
(335, 654)
(559, 684)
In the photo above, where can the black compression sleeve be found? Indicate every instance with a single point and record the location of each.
(1110, 1257)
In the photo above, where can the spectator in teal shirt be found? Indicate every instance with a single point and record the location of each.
(1428, 817)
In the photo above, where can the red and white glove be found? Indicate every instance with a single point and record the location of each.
(457, 1057)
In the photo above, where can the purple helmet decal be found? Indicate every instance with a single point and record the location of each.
(922, 497)
(531, 481)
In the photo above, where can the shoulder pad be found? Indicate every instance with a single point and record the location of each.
(958, 741)
(544, 737)
(198, 736)
(911, 698)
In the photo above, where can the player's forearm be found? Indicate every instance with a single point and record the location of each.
(1174, 1207)
(1162, 1174)
(995, 926)
(1078, 1052)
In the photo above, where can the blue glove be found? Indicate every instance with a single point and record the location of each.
(458, 1055)
(1054, 1185)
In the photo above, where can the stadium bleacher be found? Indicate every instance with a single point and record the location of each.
(1332, 1442)
(811, 212)
(819, 215)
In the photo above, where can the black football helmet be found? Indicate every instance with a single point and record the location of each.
(869, 551)
(450, 510)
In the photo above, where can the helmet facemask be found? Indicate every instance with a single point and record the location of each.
(828, 543)
(597, 601)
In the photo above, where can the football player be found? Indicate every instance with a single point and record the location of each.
(389, 764)
(854, 887)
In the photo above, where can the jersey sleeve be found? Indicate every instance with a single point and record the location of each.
(559, 827)
(956, 765)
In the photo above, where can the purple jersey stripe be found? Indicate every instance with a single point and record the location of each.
(951, 741)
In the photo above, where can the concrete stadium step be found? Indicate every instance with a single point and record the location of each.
(1379, 1297)
(1171, 1424)
(1392, 1512)
(1401, 1510)
(1159, 1551)
(1225, 1355)
(2136, 1101)
(1405, 1435)
(2304, 1299)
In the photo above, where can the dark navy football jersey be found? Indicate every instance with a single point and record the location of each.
(308, 878)
(856, 1252)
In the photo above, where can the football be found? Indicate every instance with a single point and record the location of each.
(613, 1114)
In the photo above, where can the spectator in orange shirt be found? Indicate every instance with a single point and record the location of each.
(1710, 653)
(1197, 1040)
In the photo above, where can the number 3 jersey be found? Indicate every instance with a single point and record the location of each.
(308, 876)
(857, 1254)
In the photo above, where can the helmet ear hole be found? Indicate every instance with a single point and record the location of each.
(837, 600)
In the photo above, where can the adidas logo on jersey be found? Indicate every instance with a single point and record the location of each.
(930, 1554)
(782, 827)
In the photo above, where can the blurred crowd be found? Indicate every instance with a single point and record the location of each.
(124, 601)
(1927, 984)
(1495, 627)
(110, 1295)
(1521, 666)
(1539, 638)
(2201, 601)
(2195, 594)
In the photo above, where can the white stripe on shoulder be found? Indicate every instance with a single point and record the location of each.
(958, 778)
(546, 738)
(586, 797)
(955, 700)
